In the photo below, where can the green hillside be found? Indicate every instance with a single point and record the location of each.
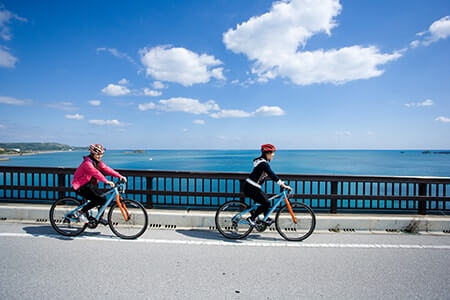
(32, 147)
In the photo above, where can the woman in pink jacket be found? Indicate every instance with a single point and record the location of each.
(86, 177)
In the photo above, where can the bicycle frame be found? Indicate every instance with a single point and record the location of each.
(113, 194)
(281, 196)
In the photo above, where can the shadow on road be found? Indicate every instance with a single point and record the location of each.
(48, 231)
(215, 235)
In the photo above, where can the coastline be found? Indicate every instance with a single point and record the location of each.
(6, 155)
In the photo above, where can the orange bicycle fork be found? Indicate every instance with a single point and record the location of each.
(288, 204)
(123, 208)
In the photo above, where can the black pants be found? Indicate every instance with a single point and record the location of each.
(258, 196)
(91, 192)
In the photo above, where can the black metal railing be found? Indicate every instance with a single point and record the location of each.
(330, 193)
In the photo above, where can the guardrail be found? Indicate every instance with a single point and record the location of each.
(331, 193)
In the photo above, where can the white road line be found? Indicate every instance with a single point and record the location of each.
(235, 243)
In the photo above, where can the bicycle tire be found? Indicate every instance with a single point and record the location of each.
(306, 222)
(64, 225)
(132, 228)
(224, 223)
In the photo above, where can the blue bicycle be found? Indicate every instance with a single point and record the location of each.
(127, 218)
(294, 221)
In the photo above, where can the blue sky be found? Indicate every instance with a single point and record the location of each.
(226, 74)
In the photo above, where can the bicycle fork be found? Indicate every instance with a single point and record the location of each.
(291, 212)
(123, 208)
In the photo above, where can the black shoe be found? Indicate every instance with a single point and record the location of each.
(269, 221)
(251, 221)
(103, 221)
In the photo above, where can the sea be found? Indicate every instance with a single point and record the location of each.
(325, 162)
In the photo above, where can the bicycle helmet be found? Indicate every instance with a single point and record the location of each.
(268, 148)
(96, 149)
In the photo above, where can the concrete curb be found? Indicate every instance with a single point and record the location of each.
(192, 219)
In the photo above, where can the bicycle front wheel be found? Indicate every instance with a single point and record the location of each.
(297, 224)
(130, 222)
(62, 221)
(230, 222)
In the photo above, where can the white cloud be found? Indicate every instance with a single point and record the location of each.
(415, 44)
(438, 30)
(269, 111)
(106, 122)
(123, 81)
(180, 65)
(115, 90)
(5, 18)
(199, 122)
(158, 85)
(231, 113)
(210, 108)
(272, 41)
(63, 106)
(443, 119)
(95, 102)
(151, 93)
(427, 102)
(74, 117)
(187, 105)
(14, 101)
(2, 126)
(117, 53)
(146, 106)
(344, 133)
(7, 60)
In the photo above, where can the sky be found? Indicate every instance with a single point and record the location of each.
(226, 74)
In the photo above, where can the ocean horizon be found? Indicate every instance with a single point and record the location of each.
(343, 162)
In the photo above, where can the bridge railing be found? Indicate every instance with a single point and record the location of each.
(329, 193)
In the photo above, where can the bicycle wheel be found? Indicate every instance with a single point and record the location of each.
(291, 231)
(229, 228)
(134, 226)
(60, 219)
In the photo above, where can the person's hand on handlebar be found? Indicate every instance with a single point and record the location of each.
(123, 178)
(284, 186)
(110, 183)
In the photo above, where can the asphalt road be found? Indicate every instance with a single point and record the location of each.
(37, 263)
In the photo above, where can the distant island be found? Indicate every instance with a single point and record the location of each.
(435, 152)
(29, 148)
(134, 152)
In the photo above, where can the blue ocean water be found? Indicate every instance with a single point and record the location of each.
(349, 162)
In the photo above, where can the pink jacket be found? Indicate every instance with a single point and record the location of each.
(86, 171)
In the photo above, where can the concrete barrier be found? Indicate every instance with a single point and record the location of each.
(194, 219)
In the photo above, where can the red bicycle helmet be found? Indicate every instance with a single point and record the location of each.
(268, 148)
(96, 149)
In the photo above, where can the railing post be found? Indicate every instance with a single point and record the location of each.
(333, 206)
(61, 185)
(422, 202)
(149, 203)
(241, 190)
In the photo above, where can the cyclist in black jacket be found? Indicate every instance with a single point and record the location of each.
(261, 172)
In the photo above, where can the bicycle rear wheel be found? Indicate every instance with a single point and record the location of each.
(291, 231)
(128, 228)
(230, 223)
(61, 221)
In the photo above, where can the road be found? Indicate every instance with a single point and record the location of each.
(37, 263)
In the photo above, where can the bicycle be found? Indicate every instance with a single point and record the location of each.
(127, 218)
(294, 221)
